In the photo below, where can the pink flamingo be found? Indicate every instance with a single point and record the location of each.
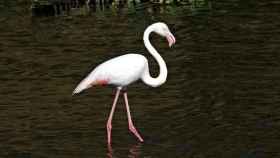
(126, 69)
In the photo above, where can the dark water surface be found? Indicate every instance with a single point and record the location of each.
(221, 99)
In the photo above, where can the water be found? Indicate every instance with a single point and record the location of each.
(221, 98)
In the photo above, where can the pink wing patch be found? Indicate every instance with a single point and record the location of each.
(102, 82)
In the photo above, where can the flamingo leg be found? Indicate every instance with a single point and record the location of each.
(109, 122)
(130, 123)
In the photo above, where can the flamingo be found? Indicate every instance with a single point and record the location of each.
(126, 69)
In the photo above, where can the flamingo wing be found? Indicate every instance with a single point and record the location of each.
(118, 71)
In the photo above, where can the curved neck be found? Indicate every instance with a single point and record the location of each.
(147, 78)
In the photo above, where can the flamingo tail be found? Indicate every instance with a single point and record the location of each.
(84, 84)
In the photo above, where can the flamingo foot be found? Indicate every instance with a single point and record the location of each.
(110, 151)
(135, 132)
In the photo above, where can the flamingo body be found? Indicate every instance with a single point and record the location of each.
(119, 71)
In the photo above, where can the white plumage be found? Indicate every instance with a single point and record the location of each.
(119, 71)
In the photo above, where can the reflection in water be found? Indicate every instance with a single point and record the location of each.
(134, 151)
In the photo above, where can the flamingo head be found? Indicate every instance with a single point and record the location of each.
(163, 30)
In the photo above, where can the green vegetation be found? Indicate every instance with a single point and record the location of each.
(57, 7)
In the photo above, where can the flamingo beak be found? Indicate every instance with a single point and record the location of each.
(171, 39)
